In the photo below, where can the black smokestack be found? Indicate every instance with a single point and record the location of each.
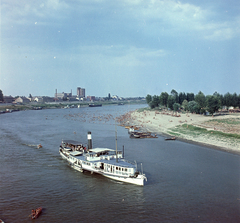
(89, 140)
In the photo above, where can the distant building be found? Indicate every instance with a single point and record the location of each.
(73, 98)
(21, 100)
(115, 97)
(8, 99)
(69, 95)
(80, 92)
(38, 99)
(42, 99)
(62, 95)
(91, 98)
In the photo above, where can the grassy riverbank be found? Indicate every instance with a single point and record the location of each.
(197, 131)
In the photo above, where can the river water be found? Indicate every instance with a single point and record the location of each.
(186, 182)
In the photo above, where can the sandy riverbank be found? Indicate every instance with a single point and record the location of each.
(165, 123)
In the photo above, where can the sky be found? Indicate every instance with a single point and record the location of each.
(128, 48)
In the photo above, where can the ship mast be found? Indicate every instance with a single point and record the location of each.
(116, 141)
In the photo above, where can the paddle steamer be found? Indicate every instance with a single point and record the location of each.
(107, 162)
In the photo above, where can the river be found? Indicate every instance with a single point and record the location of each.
(186, 182)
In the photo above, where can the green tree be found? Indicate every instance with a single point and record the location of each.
(185, 105)
(220, 97)
(190, 97)
(213, 104)
(227, 98)
(155, 101)
(238, 103)
(200, 99)
(1, 95)
(151, 104)
(197, 108)
(175, 95)
(182, 97)
(170, 102)
(176, 106)
(148, 98)
(193, 106)
(234, 100)
(163, 98)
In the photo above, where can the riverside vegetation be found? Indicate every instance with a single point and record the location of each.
(199, 120)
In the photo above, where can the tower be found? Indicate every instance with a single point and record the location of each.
(81, 92)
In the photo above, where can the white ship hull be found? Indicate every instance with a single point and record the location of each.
(102, 161)
(139, 180)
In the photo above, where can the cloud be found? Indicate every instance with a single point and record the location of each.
(24, 11)
(175, 17)
(222, 31)
(151, 18)
(221, 34)
(121, 53)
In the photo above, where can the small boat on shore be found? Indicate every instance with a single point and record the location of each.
(131, 130)
(107, 162)
(35, 213)
(141, 135)
(95, 105)
(172, 138)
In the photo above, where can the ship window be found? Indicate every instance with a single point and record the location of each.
(125, 169)
(116, 168)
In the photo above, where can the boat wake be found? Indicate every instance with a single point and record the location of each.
(29, 145)
(117, 182)
(33, 146)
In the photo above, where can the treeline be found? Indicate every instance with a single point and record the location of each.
(198, 103)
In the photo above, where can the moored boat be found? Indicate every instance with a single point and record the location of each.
(35, 213)
(142, 135)
(107, 162)
(95, 105)
(172, 138)
(131, 130)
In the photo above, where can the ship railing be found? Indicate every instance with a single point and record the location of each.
(133, 163)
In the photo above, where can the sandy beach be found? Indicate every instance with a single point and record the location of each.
(167, 123)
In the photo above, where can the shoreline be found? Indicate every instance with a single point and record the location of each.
(223, 149)
(216, 130)
(9, 108)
